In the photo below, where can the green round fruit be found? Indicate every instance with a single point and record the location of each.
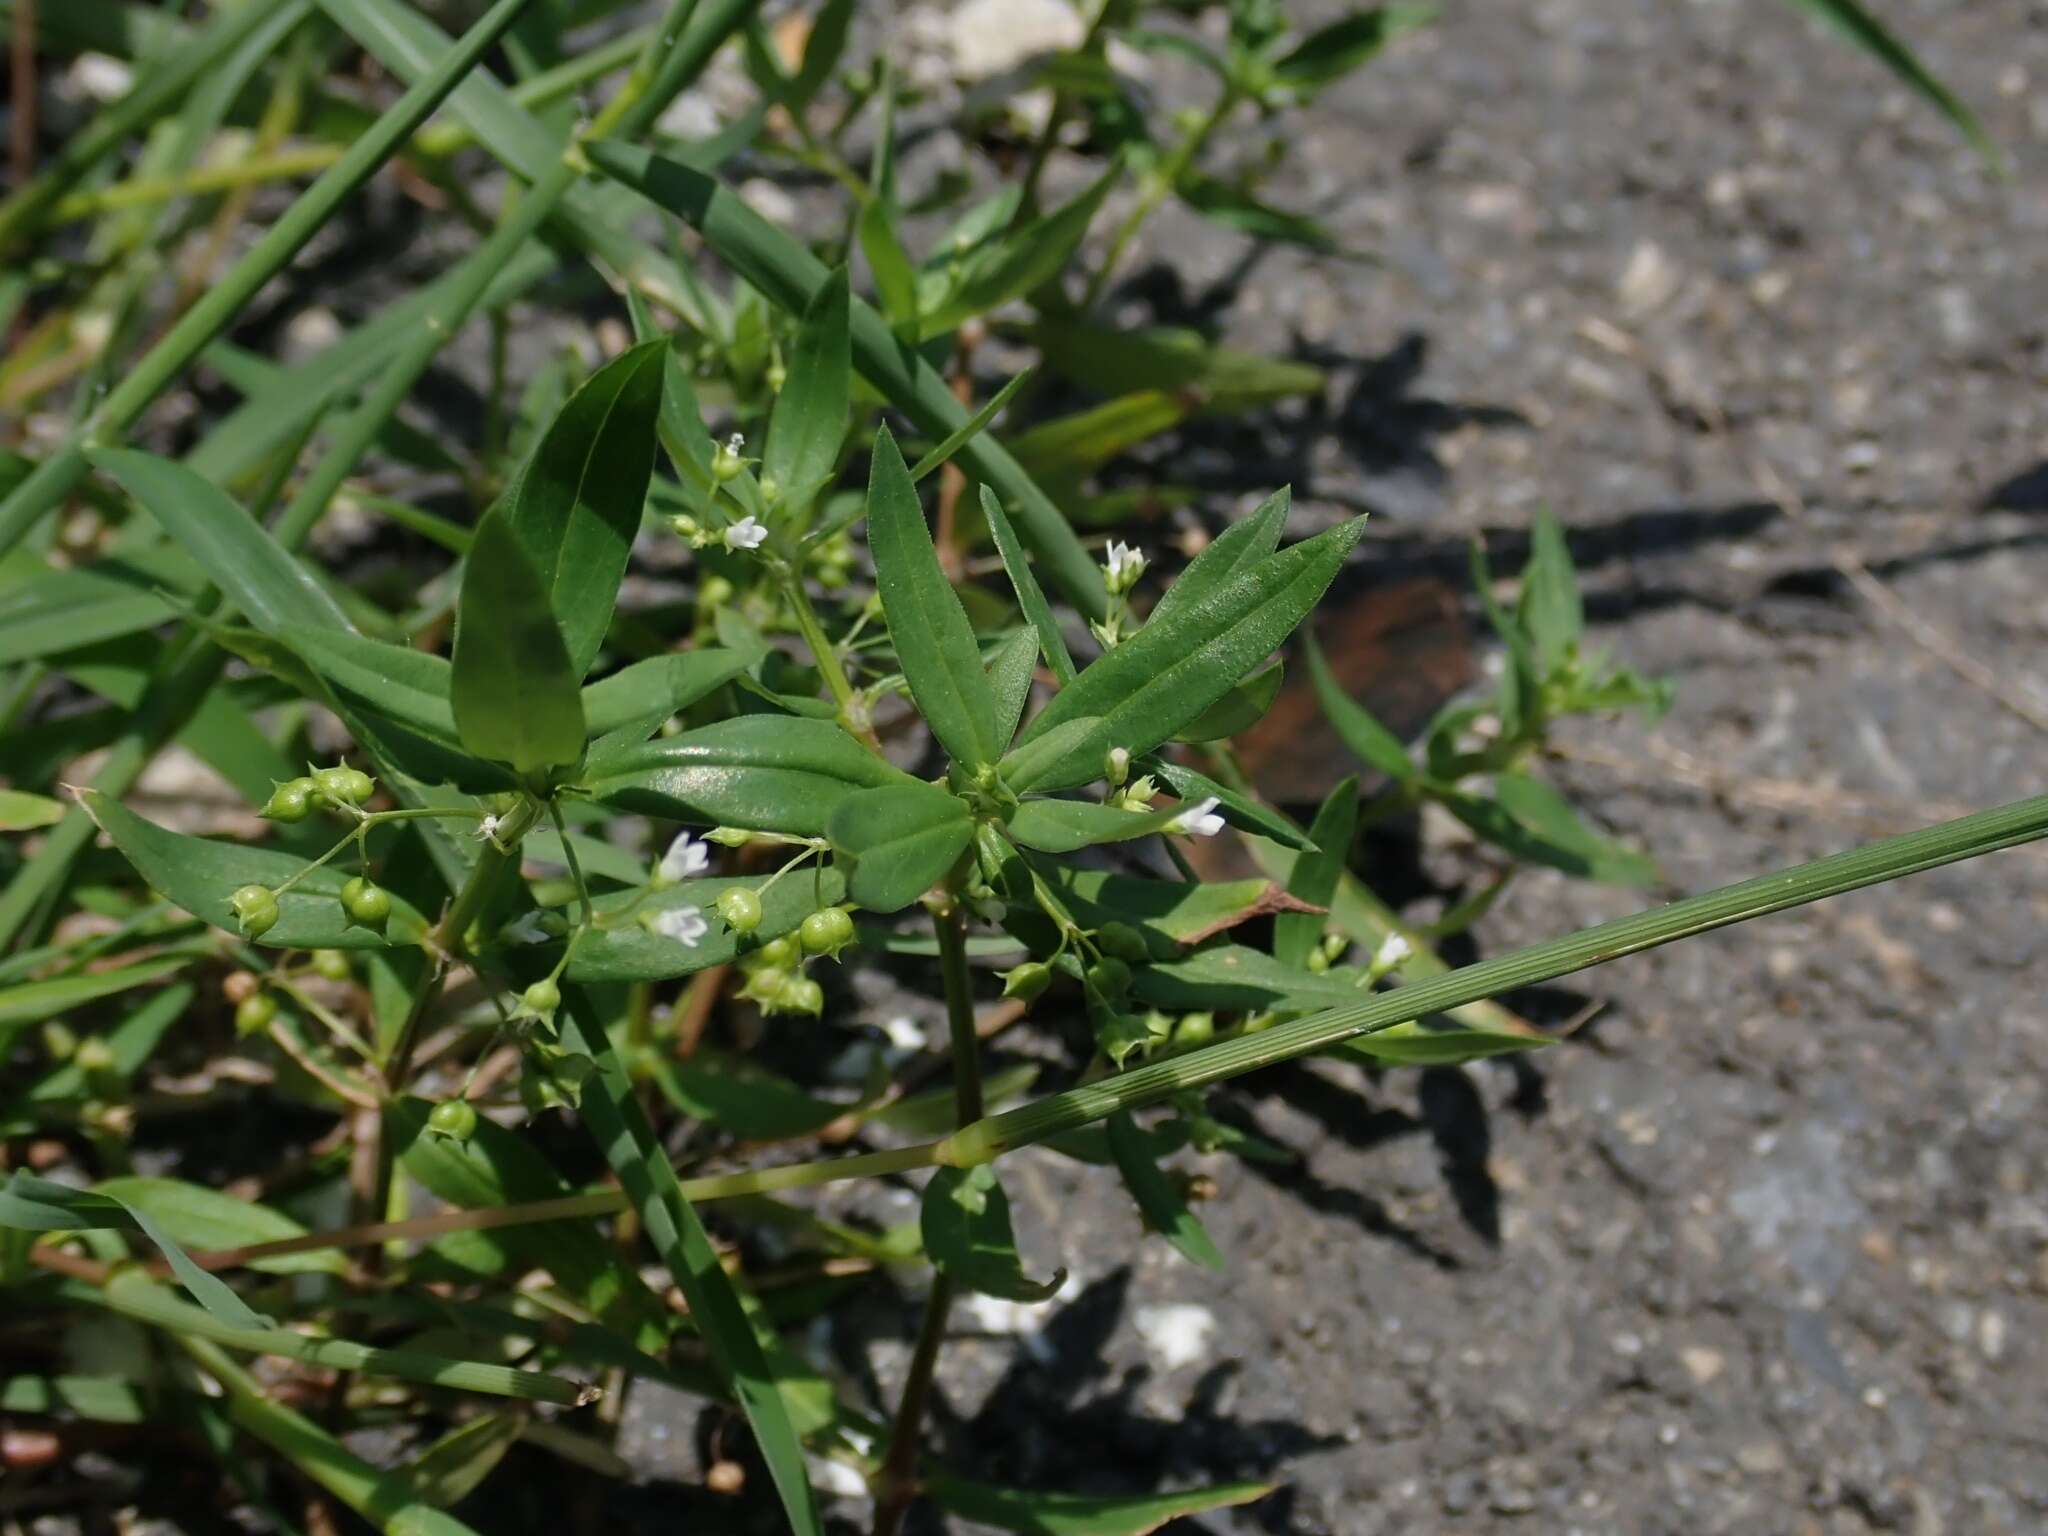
(740, 908)
(782, 951)
(826, 932)
(255, 908)
(1122, 941)
(365, 903)
(94, 1056)
(543, 997)
(1110, 976)
(1195, 1029)
(254, 1014)
(803, 995)
(331, 963)
(453, 1118)
(337, 784)
(360, 786)
(290, 802)
(1028, 981)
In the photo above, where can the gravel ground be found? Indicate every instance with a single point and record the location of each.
(1765, 1248)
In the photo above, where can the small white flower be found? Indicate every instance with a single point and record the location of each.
(1126, 563)
(686, 925)
(904, 1035)
(487, 829)
(1392, 951)
(1198, 820)
(747, 533)
(686, 858)
(736, 444)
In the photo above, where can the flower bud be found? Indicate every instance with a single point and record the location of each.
(237, 985)
(365, 903)
(729, 837)
(740, 908)
(94, 1057)
(255, 908)
(1116, 767)
(726, 462)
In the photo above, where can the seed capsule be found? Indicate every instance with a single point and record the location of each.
(1028, 981)
(365, 903)
(826, 932)
(290, 802)
(255, 908)
(740, 908)
(254, 1014)
(453, 1118)
(1110, 976)
(331, 963)
(803, 995)
(543, 997)
(1122, 941)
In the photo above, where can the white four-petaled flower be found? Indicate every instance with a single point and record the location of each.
(487, 829)
(747, 533)
(1198, 820)
(1392, 951)
(686, 925)
(1125, 564)
(686, 858)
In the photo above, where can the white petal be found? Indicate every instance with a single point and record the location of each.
(747, 533)
(686, 925)
(686, 857)
(1199, 819)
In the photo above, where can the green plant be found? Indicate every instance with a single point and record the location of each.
(462, 936)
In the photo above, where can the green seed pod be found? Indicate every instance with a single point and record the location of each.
(290, 802)
(365, 903)
(254, 1014)
(1110, 976)
(360, 786)
(1123, 941)
(1195, 1029)
(765, 985)
(331, 963)
(826, 932)
(1318, 961)
(337, 783)
(453, 1118)
(782, 952)
(95, 1057)
(542, 998)
(803, 995)
(59, 1040)
(1028, 981)
(255, 909)
(740, 908)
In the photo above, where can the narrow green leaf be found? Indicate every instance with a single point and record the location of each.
(1164, 1209)
(809, 420)
(1061, 826)
(130, 1043)
(1315, 874)
(1052, 645)
(98, 1399)
(1242, 812)
(31, 1002)
(1024, 259)
(1034, 1513)
(937, 1110)
(934, 641)
(1373, 744)
(1164, 676)
(405, 685)
(743, 1098)
(1549, 607)
(648, 692)
(1010, 672)
(1332, 52)
(967, 431)
(1233, 976)
(200, 875)
(575, 506)
(1234, 208)
(204, 1218)
(901, 841)
(1241, 708)
(455, 1466)
(1868, 33)
(1419, 1043)
(514, 684)
(1169, 913)
(895, 278)
(1532, 821)
(258, 576)
(31, 1204)
(967, 1233)
(1171, 361)
(769, 773)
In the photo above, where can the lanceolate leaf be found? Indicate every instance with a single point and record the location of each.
(769, 773)
(1165, 1211)
(408, 686)
(1010, 672)
(1051, 644)
(1857, 24)
(200, 875)
(1332, 52)
(967, 1233)
(1420, 1044)
(901, 841)
(1023, 258)
(1373, 743)
(1231, 553)
(514, 685)
(255, 572)
(1169, 912)
(1241, 811)
(1315, 875)
(1549, 606)
(650, 691)
(1532, 821)
(575, 507)
(1241, 708)
(809, 420)
(1174, 668)
(205, 1218)
(933, 639)
(1061, 826)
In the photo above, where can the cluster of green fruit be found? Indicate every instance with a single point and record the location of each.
(774, 969)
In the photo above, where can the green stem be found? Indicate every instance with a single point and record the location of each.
(896, 1484)
(1158, 186)
(53, 479)
(139, 191)
(1964, 838)
(852, 714)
